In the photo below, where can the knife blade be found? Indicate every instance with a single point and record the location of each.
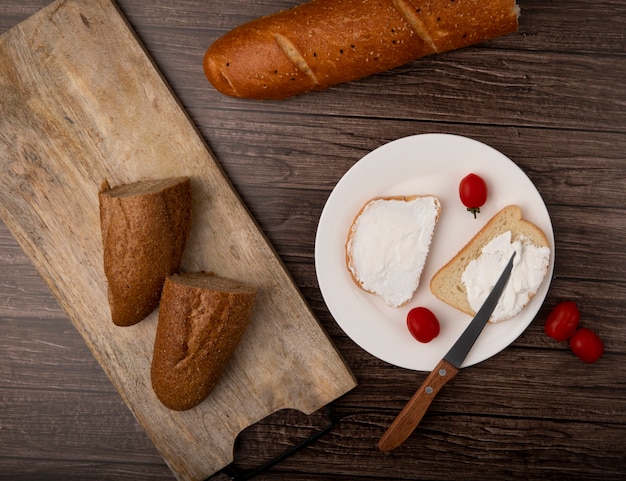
(408, 419)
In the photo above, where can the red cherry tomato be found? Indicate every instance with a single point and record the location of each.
(473, 193)
(586, 345)
(423, 324)
(562, 321)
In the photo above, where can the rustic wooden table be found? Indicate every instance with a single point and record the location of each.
(552, 97)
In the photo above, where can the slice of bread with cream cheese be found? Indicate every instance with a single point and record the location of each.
(468, 278)
(388, 243)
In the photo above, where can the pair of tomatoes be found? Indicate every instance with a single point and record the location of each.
(562, 324)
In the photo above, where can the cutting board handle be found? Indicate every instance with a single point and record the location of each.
(235, 475)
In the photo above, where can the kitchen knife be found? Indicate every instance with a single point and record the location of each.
(408, 419)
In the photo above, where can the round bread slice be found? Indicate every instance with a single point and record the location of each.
(145, 226)
(202, 318)
(508, 229)
(388, 243)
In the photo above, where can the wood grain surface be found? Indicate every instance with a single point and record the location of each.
(551, 97)
(82, 103)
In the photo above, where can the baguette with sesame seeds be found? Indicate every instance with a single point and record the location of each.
(325, 42)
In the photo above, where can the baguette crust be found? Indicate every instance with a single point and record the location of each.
(446, 284)
(202, 318)
(326, 42)
(351, 263)
(145, 226)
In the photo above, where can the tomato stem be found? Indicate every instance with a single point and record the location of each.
(474, 210)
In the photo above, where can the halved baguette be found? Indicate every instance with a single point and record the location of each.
(388, 243)
(325, 42)
(447, 283)
(145, 226)
(202, 318)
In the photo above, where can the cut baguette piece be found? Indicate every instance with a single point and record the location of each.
(388, 243)
(466, 280)
(145, 226)
(202, 318)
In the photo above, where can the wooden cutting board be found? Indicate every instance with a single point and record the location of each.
(81, 102)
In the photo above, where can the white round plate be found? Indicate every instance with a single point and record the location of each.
(417, 165)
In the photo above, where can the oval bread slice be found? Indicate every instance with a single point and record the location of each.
(447, 284)
(388, 243)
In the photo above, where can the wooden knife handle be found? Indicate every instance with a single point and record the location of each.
(408, 419)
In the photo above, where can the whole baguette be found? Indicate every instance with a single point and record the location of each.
(447, 285)
(145, 226)
(326, 42)
(202, 318)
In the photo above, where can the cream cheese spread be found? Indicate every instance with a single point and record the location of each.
(388, 246)
(529, 269)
